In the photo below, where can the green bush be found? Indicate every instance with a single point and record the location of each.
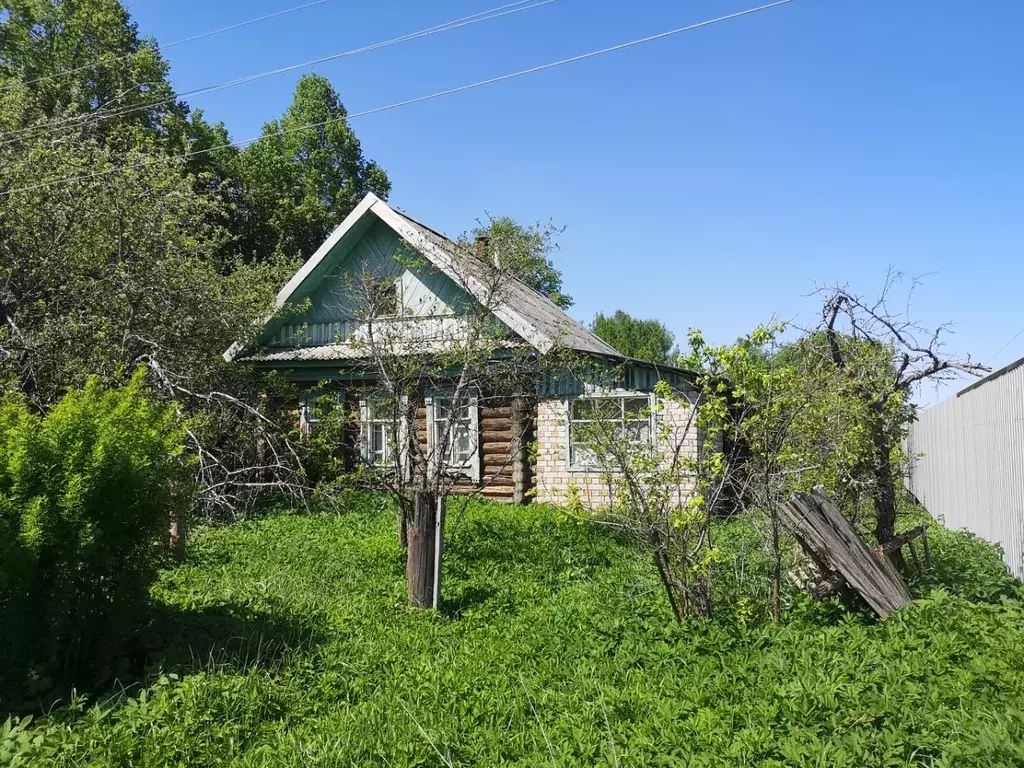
(86, 496)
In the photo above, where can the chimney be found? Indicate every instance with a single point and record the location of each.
(482, 246)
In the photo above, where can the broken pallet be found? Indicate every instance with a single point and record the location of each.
(833, 544)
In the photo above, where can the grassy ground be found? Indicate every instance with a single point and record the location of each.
(285, 642)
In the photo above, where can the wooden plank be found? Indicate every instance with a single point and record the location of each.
(832, 541)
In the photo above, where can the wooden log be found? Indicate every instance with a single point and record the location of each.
(494, 436)
(831, 540)
(496, 411)
(491, 447)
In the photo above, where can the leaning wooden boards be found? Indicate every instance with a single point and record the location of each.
(829, 538)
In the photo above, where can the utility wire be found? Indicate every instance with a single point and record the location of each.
(93, 117)
(1007, 344)
(202, 36)
(406, 102)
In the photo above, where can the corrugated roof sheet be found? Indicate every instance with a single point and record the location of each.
(537, 310)
(528, 313)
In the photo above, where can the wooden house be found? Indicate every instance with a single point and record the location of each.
(318, 336)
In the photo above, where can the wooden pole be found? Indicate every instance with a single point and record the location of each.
(438, 550)
(422, 555)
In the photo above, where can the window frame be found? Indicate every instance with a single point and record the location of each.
(307, 402)
(572, 460)
(392, 285)
(471, 467)
(368, 418)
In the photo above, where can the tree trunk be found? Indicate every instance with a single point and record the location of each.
(179, 537)
(403, 522)
(884, 494)
(665, 572)
(423, 560)
(776, 567)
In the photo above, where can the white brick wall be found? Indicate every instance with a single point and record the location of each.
(553, 477)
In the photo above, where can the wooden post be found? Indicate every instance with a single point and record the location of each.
(438, 551)
(520, 469)
(422, 565)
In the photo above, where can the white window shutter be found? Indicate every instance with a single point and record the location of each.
(474, 435)
(304, 405)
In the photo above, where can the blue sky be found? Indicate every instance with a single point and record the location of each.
(707, 180)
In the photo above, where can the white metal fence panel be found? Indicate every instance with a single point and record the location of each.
(967, 462)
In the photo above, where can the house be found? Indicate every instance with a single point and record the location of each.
(422, 287)
(966, 461)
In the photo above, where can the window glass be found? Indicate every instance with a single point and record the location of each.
(380, 432)
(454, 433)
(595, 421)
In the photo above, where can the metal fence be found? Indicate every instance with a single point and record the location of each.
(967, 461)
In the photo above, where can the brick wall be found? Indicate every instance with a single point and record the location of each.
(553, 476)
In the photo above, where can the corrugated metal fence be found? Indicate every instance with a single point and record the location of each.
(967, 461)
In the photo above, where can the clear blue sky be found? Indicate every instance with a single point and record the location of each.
(707, 180)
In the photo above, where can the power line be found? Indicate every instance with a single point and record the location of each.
(203, 35)
(1007, 344)
(404, 103)
(93, 117)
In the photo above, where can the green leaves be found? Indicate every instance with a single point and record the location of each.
(87, 495)
(300, 183)
(641, 339)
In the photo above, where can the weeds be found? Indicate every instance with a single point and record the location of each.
(553, 649)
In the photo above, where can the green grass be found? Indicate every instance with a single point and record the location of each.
(285, 642)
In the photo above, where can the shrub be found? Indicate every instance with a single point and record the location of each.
(86, 497)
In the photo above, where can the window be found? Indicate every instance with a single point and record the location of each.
(380, 436)
(454, 435)
(312, 407)
(596, 421)
(384, 296)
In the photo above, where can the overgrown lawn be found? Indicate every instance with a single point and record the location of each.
(285, 641)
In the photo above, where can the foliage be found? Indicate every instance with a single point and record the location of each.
(640, 339)
(525, 252)
(94, 280)
(883, 354)
(301, 182)
(497, 680)
(86, 496)
(106, 69)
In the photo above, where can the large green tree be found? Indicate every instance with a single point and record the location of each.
(641, 339)
(525, 252)
(301, 182)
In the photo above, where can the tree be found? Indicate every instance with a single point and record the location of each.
(83, 63)
(301, 182)
(881, 354)
(423, 379)
(525, 253)
(666, 489)
(115, 270)
(646, 340)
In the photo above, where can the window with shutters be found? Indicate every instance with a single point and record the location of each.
(455, 434)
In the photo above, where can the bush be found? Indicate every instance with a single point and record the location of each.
(86, 497)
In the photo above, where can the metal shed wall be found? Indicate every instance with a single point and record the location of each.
(967, 461)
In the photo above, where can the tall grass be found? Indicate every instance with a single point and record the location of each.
(286, 641)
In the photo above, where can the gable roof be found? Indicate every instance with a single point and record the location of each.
(528, 313)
